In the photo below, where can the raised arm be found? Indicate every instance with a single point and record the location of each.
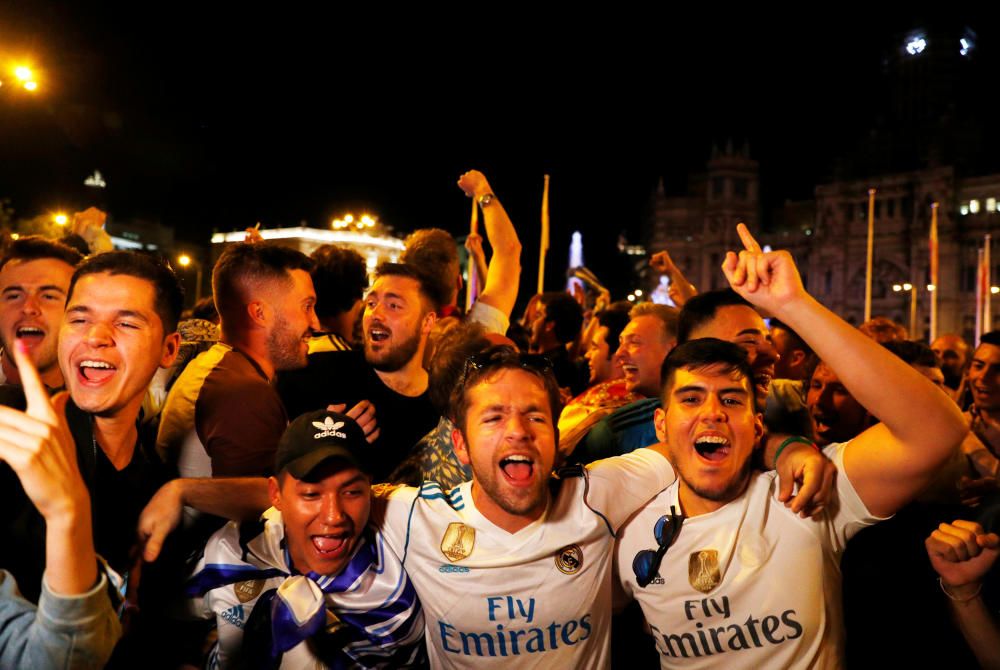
(962, 553)
(75, 625)
(891, 462)
(504, 272)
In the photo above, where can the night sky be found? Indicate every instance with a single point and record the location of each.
(209, 120)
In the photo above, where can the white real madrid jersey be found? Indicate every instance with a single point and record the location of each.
(750, 584)
(538, 598)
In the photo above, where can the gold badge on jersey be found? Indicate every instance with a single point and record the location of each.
(703, 570)
(569, 559)
(458, 541)
(247, 591)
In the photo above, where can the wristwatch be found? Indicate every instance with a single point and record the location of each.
(485, 199)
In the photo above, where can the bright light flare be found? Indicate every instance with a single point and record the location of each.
(60, 219)
(31, 85)
(184, 260)
(23, 73)
(916, 45)
(995, 289)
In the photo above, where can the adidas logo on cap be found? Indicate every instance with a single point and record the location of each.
(328, 428)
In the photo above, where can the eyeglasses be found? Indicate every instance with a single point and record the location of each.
(505, 356)
(646, 563)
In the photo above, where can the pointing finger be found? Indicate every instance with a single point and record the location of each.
(39, 405)
(748, 240)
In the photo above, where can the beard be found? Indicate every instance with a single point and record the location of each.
(727, 493)
(394, 357)
(285, 346)
(518, 505)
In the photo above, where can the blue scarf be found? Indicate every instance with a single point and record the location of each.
(372, 596)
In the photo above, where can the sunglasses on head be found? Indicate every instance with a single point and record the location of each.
(488, 359)
(646, 563)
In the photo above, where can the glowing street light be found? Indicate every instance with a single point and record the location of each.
(907, 286)
(23, 73)
(60, 219)
(185, 261)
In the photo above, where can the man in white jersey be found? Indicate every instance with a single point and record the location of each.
(724, 574)
(515, 566)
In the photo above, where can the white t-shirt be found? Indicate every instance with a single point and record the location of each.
(491, 318)
(538, 598)
(770, 581)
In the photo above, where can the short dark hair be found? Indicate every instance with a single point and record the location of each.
(913, 352)
(701, 309)
(702, 353)
(493, 359)
(340, 277)
(992, 337)
(244, 263)
(36, 247)
(563, 310)
(436, 252)
(797, 342)
(451, 351)
(430, 289)
(615, 321)
(205, 309)
(155, 270)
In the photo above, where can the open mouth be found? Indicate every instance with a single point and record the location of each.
(330, 545)
(519, 470)
(630, 369)
(378, 334)
(712, 447)
(96, 371)
(30, 334)
(763, 381)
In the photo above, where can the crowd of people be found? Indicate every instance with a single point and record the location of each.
(326, 467)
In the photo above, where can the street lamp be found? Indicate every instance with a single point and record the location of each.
(60, 219)
(25, 78)
(913, 305)
(185, 261)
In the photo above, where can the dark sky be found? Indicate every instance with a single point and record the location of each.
(204, 119)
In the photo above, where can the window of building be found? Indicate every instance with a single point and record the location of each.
(848, 211)
(991, 204)
(718, 186)
(964, 209)
(973, 207)
(890, 207)
(740, 188)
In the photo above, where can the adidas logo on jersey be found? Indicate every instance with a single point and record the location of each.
(328, 429)
(234, 615)
(453, 568)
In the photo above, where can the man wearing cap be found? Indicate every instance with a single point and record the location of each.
(329, 591)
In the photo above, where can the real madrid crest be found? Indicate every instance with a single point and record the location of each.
(247, 591)
(569, 559)
(458, 541)
(703, 570)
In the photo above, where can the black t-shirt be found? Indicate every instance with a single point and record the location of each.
(334, 377)
(117, 497)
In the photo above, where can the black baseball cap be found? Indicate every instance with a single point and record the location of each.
(317, 436)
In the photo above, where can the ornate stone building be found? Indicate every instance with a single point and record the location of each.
(828, 236)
